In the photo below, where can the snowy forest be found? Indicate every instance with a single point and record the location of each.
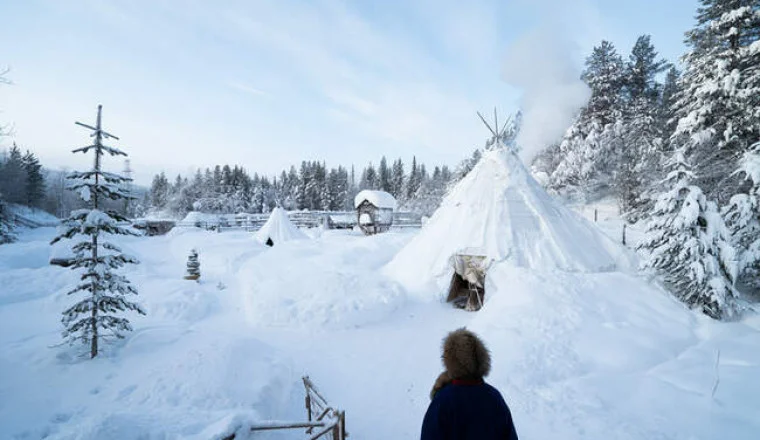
(312, 187)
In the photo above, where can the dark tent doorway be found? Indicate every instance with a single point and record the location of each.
(467, 287)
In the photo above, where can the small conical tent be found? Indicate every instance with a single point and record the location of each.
(278, 229)
(499, 213)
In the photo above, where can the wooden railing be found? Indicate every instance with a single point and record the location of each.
(316, 405)
(323, 421)
(302, 219)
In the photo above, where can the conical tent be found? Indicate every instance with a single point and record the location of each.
(278, 229)
(499, 213)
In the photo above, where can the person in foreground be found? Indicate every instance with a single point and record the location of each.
(463, 406)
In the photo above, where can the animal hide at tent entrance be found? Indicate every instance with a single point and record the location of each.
(467, 286)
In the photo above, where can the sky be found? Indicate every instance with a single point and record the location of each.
(267, 84)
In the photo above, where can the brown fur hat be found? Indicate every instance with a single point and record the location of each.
(464, 356)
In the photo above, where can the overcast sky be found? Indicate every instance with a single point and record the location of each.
(266, 84)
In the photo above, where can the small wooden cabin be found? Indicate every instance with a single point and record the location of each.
(374, 211)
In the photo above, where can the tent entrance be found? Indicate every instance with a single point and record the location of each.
(467, 287)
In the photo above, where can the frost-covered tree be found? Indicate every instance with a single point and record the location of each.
(369, 179)
(605, 75)
(34, 187)
(719, 102)
(668, 99)
(304, 182)
(99, 313)
(742, 216)
(641, 70)
(397, 179)
(384, 176)
(6, 225)
(13, 176)
(159, 191)
(687, 243)
(587, 149)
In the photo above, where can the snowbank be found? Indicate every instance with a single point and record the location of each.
(499, 211)
(32, 217)
(321, 283)
(583, 355)
(380, 199)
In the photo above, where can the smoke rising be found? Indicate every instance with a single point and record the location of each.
(541, 66)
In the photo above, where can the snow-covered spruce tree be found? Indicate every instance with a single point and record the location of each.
(35, 181)
(637, 137)
(742, 216)
(719, 102)
(586, 154)
(193, 266)
(6, 226)
(687, 242)
(97, 314)
(666, 111)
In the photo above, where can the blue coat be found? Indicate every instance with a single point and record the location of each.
(468, 411)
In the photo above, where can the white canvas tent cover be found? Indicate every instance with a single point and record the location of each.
(380, 199)
(500, 212)
(470, 266)
(279, 228)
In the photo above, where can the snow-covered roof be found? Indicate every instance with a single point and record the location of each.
(380, 199)
(499, 211)
(279, 228)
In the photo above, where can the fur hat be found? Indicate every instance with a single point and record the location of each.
(464, 356)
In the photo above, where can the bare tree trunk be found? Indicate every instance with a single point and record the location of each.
(94, 342)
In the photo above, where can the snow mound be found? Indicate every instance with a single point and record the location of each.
(308, 284)
(279, 229)
(32, 217)
(499, 211)
(580, 355)
(380, 199)
(193, 217)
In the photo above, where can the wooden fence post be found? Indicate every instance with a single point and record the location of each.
(624, 226)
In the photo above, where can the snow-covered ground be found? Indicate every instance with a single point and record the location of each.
(577, 356)
(32, 217)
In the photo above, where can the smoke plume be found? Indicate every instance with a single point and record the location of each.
(541, 66)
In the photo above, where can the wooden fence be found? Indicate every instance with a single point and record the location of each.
(323, 421)
(302, 219)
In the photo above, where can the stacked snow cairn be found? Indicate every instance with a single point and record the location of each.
(98, 314)
(193, 266)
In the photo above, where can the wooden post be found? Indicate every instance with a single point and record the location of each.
(343, 432)
(596, 212)
(624, 226)
(308, 406)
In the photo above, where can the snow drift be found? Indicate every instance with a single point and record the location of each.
(499, 211)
